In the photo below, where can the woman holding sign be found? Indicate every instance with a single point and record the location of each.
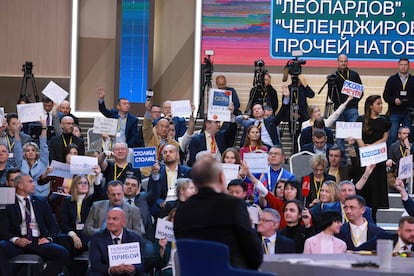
(374, 131)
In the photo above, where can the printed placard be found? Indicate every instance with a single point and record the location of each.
(349, 129)
(405, 167)
(54, 92)
(144, 157)
(352, 89)
(82, 164)
(254, 214)
(7, 195)
(218, 105)
(164, 230)
(124, 253)
(60, 169)
(103, 125)
(231, 171)
(1, 114)
(373, 154)
(257, 162)
(31, 112)
(181, 108)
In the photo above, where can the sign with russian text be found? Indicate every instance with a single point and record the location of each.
(231, 171)
(7, 195)
(103, 125)
(345, 130)
(322, 29)
(181, 108)
(164, 230)
(218, 105)
(124, 253)
(373, 154)
(60, 169)
(144, 157)
(353, 89)
(405, 167)
(257, 162)
(31, 112)
(82, 164)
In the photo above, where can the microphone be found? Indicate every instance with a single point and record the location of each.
(305, 186)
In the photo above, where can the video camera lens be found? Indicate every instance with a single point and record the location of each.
(259, 63)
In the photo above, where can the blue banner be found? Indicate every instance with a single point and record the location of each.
(144, 157)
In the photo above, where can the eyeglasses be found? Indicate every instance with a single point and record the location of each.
(266, 220)
(83, 183)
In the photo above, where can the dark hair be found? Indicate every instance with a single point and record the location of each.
(360, 199)
(46, 99)
(69, 147)
(10, 116)
(408, 219)
(296, 202)
(336, 147)
(12, 170)
(319, 123)
(367, 110)
(238, 182)
(403, 59)
(134, 178)
(247, 142)
(329, 217)
(295, 185)
(121, 99)
(114, 183)
(318, 133)
(233, 150)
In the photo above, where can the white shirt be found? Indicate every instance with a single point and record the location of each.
(272, 244)
(23, 228)
(359, 233)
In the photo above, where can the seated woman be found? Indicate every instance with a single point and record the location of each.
(318, 175)
(329, 193)
(325, 242)
(253, 141)
(299, 226)
(33, 160)
(230, 156)
(184, 189)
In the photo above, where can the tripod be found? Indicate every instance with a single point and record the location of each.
(333, 92)
(206, 74)
(27, 69)
(258, 94)
(294, 108)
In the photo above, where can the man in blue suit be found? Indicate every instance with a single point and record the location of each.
(164, 177)
(127, 123)
(115, 233)
(272, 241)
(214, 139)
(29, 227)
(357, 230)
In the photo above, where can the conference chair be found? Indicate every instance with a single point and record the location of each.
(299, 164)
(205, 258)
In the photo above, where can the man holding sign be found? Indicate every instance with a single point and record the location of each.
(399, 94)
(115, 233)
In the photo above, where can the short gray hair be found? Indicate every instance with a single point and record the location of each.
(275, 214)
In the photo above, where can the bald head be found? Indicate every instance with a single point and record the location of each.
(67, 124)
(115, 220)
(64, 107)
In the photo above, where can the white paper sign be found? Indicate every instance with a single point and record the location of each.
(54, 92)
(60, 169)
(164, 230)
(349, 129)
(124, 253)
(257, 162)
(231, 171)
(31, 112)
(181, 108)
(1, 114)
(352, 89)
(218, 105)
(405, 167)
(254, 214)
(7, 195)
(103, 125)
(82, 164)
(373, 154)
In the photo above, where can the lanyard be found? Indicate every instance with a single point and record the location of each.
(116, 176)
(343, 213)
(404, 83)
(347, 77)
(318, 190)
(356, 240)
(266, 245)
(403, 153)
(10, 145)
(64, 141)
(269, 180)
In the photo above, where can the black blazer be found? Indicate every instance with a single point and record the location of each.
(10, 226)
(219, 217)
(57, 146)
(284, 245)
(345, 235)
(313, 192)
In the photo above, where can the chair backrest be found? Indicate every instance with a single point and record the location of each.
(198, 257)
(299, 164)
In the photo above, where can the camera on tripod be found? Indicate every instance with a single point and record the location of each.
(332, 78)
(294, 67)
(27, 68)
(259, 74)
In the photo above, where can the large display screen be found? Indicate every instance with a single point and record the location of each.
(374, 34)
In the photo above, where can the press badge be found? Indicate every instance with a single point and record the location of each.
(118, 134)
(35, 232)
(403, 93)
(11, 155)
(79, 226)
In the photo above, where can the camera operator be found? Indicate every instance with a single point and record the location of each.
(399, 94)
(263, 92)
(343, 73)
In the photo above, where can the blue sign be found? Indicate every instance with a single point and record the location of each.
(144, 157)
(364, 29)
(221, 98)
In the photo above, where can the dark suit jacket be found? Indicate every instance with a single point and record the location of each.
(306, 136)
(98, 252)
(345, 235)
(57, 147)
(303, 93)
(223, 218)
(10, 227)
(131, 128)
(224, 139)
(309, 147)
(180, 126)
(409, 206)
(143, 201)
(284, 245)
(162, 182)
(336, 206)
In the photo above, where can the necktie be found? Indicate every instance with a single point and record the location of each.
(213, 144)
(259, 125)
(28, 219)
(266, 245)
(116, 240)
(47, 119)
(130, 201)
(404, 248)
